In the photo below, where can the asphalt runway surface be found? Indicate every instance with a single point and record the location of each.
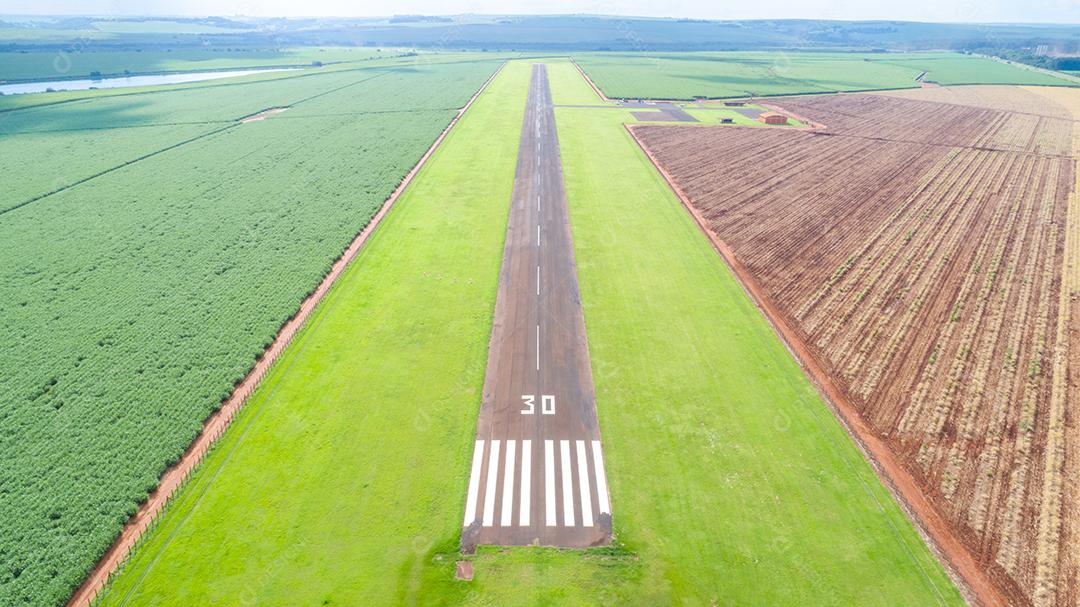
(537, 475)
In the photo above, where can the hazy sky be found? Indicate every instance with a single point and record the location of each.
(986, 11)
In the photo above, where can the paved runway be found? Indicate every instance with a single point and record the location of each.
(537, 473)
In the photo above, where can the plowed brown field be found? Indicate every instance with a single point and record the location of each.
(918, 249)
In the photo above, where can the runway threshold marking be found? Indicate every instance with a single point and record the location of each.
(492, 479)
(601, 477)
(508, 485)
(567, 484)
(474, 481)
(574, 464)
(583, 481)
(526, 483)
(549, 482)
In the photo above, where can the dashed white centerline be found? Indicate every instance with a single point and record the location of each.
(549, 483)
(567, 485)
(474, 482)
(583, 482)
(537, 234)
(601, 478)
(537, 347)
(526, 483)
(508, 484)
(489, 492)
(537, 280)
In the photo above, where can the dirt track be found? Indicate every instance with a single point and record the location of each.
(215, 425)
(537, 472)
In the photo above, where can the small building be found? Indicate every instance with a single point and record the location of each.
(773, 118)
(734, 103)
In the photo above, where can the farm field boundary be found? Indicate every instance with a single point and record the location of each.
(228, 124)
(126, 163)
(961, 566)
(218, 422)
(592, 84)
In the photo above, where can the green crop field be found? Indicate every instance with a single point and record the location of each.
(174, 244)
(54, 145)
(80, 62)
(342, 481)
(952, 68)
(741, 74)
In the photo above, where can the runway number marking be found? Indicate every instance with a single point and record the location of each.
(547, 404)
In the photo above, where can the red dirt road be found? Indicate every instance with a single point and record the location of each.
(215, 425)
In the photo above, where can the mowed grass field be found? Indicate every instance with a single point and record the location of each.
(343, 481)
(764, 73)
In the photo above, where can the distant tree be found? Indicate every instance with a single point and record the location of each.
(95, 75)
(316, 64)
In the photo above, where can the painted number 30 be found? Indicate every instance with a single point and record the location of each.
(547, 404)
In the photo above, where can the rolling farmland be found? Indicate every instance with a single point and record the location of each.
(336, 486)
(742, 74)
(917, 249)
(142, 283)
(233, 371)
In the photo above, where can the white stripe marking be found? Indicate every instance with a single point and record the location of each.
(489, 492)
(583, 482)
(474, 482)
(549, 482)
(508, 484)
(537, 234)
(537, 280)
(537, 347)
(567, 485)
(526, 482)
(601, 478)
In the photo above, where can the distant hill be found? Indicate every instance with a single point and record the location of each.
(540, 33)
